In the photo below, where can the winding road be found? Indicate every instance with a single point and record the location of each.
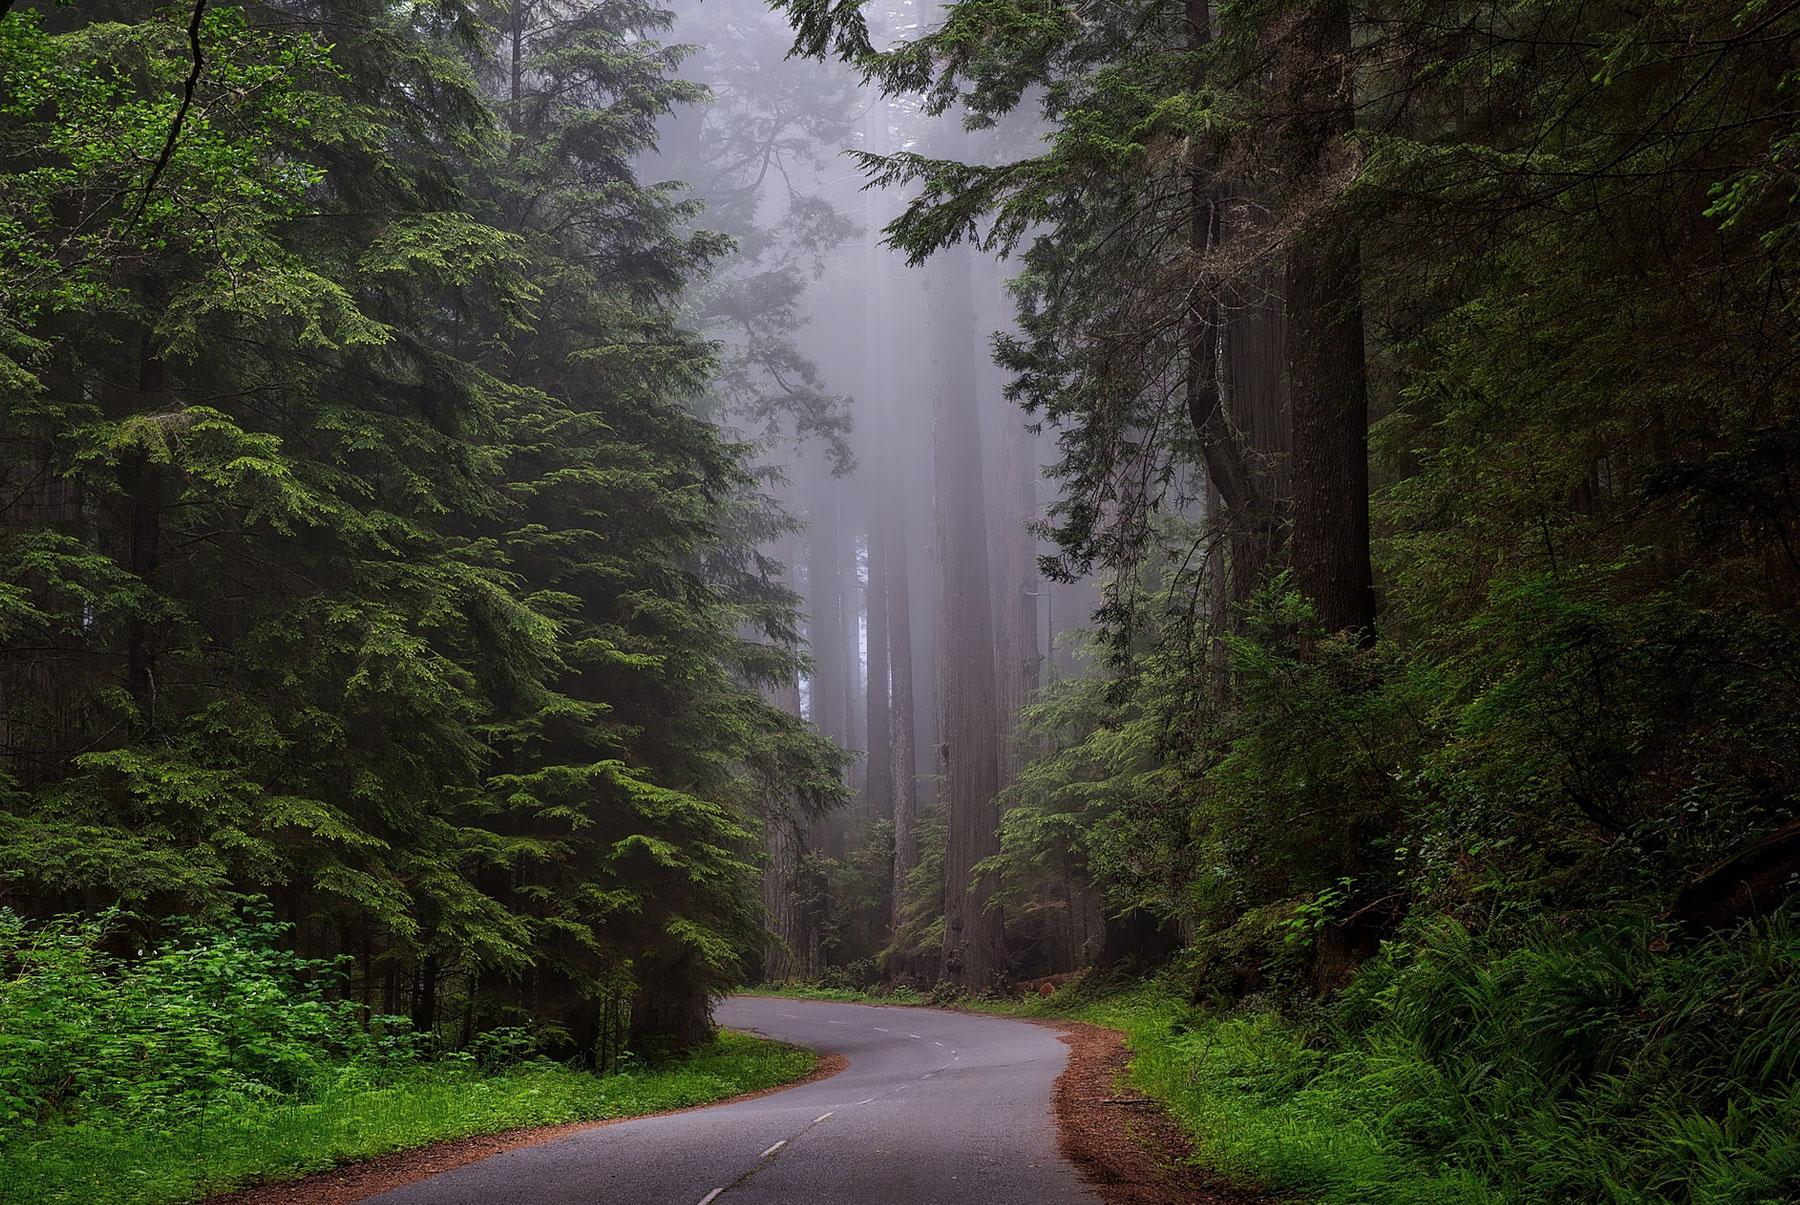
(935, 1108)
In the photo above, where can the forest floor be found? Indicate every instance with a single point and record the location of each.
(363, 1138)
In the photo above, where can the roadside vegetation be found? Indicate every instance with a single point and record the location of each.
(217, 1059)
(1596, 1066)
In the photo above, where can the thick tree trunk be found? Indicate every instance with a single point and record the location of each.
(902, 753)
(788, 952)
(1326, 373)
(973, 952)
(892, 749)
(1246, 517)
(877, 399)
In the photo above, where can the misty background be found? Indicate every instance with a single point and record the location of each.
(868, 387)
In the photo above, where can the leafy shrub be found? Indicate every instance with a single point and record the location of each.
(207, 1016)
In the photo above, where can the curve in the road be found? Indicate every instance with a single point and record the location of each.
(935, 1108)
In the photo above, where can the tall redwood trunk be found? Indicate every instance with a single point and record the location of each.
(973, 952)
(830, 709)
(1017, 661)
(902, 760)
(877, 392)
(1325, 366)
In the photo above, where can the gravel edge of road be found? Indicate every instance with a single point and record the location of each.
(354, 1182)
(1126, 1145)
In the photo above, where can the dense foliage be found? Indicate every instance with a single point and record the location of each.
(1533, 829)
(219, 1057)
(360, 543)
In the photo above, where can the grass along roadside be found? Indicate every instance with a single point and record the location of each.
(1227, 1079)
(1607, 1064)
(104, 1161)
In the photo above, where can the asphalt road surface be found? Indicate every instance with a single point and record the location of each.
(935, 1108)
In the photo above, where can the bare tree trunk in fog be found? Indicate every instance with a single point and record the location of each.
(902, 758)
(974, 952)
(890, 520)
(789, 946)
(890, 603)
(1017, 663)
(1325, 344)
(878, 789)
(824, 609)
(850, 600)
(825, 628)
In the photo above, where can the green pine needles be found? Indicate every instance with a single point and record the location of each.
(360, 545)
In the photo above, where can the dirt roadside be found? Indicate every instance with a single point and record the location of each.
(1125, 1143)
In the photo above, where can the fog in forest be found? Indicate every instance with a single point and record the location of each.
(869, 388)
(554, 552)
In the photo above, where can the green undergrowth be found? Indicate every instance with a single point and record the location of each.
(217, 1057)
(105, 1159)
(845, 995)
(1605, 1064)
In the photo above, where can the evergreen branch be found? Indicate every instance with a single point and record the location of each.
(187, 102)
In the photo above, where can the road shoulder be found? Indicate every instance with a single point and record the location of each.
(1126, 1145)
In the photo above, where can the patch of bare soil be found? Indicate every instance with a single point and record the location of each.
(359, 1181)
(1126, 1144)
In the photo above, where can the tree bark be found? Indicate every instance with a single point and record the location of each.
(973, 950)
(1326, 372)
(902, 763)
(1017, 661)
(877, 398)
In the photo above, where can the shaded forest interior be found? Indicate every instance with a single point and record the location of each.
(528, 515)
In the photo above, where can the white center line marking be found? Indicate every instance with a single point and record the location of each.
(766, 1154)
(710, 1197)
(915, 1037)
(789, 1016)
(821, 1117)
(879, 1029)
(837, 1022)
(937, 1043)
(864, 1102)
